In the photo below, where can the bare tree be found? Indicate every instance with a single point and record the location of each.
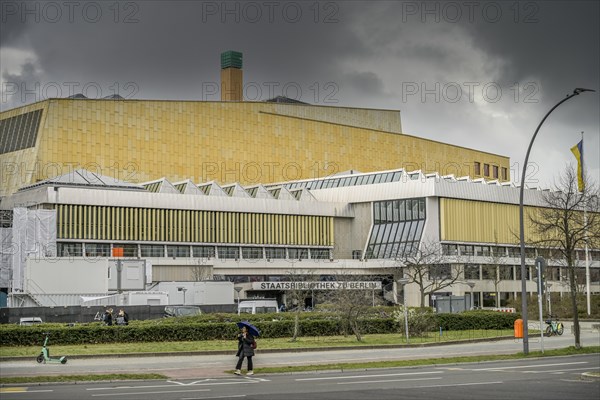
(298, 293)
(201, 272)
(495, 261)
(425, 266)
(562, 226)
(350, 303)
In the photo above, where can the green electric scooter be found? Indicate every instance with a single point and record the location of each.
(44, 356)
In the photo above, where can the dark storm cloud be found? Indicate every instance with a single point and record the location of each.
(411, 56)
(171, 48)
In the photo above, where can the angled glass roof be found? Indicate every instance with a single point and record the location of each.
(83, 177)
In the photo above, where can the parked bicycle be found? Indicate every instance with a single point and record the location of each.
(555, 327)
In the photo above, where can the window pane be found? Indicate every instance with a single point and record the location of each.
(422, 214)
(129, 250)
(70, 249)
(406, 231)
(472, 272)
(228, 252)
(252, 252)
(388, 214)
(275, 252)
(148, 250)
(377, 213)
(374, 233)
(97, 250)
(402, 208)
(506, 272)
(409, 209)
(394, 237)
(319, 254)
(178, 251)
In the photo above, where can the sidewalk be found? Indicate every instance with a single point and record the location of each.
(211, 365)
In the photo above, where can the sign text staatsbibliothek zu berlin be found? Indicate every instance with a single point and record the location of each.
(332, 285)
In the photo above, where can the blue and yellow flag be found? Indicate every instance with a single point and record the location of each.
(577, 150)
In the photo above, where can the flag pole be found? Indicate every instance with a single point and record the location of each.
(587, 256)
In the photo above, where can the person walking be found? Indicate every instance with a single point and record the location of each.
(108, 318)
(246, 344)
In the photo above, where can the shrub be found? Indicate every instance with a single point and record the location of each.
(222, 326)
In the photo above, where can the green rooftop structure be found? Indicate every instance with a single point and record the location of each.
(231, 59)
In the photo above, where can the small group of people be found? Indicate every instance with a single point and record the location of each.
(121, 319)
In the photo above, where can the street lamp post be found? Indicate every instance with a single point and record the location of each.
(403, 282)
(471, 285)
(182, 289)
(548, 286)
(576, 92)
(238, 289)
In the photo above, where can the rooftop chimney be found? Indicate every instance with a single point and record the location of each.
(232, 80)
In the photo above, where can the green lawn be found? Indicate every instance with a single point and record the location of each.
(231, 345)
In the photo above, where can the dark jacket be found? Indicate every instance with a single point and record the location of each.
(245, 345)
(122, 319)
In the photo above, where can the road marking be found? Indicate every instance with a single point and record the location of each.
(368, 376)
(129, 387)
(558, 371)
(231, 382)
(220, 381)
(215, 397)
(460, 384)
(529, 366)
(164, 391)
(19, 390)
(389, 380)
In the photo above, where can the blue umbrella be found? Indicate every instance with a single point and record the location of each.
(254, 331)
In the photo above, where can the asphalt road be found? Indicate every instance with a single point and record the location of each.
(548, 378)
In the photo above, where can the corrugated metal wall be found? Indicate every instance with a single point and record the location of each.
(485, 222)
(192, 226)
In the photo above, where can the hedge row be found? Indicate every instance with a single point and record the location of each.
(476, 320)
(189, 330)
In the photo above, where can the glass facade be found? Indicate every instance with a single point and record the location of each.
(152, 250)
(275, 252)
(397, 228)
(252, 252)
(19, 132)
(358, 180)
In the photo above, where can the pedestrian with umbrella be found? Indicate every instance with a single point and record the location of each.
(246, 345)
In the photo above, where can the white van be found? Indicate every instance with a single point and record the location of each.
(29, 321)
(258, 306)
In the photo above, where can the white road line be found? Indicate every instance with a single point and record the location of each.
(459, 384)
(164, 391)
(216, 397)
(237, 382)
(5, 392)
(368, 376)
(388, 380)
(559, 370)
(128, 387)
(529, 366)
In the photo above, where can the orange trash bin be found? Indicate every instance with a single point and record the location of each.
(518, 328)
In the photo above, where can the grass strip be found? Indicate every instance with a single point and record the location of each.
(79, 378)
(428, 361)
(310, 342)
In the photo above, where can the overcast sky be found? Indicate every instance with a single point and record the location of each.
(470, 73)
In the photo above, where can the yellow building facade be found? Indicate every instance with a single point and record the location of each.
(246, 142)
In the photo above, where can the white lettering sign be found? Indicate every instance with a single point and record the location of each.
(332, 285)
